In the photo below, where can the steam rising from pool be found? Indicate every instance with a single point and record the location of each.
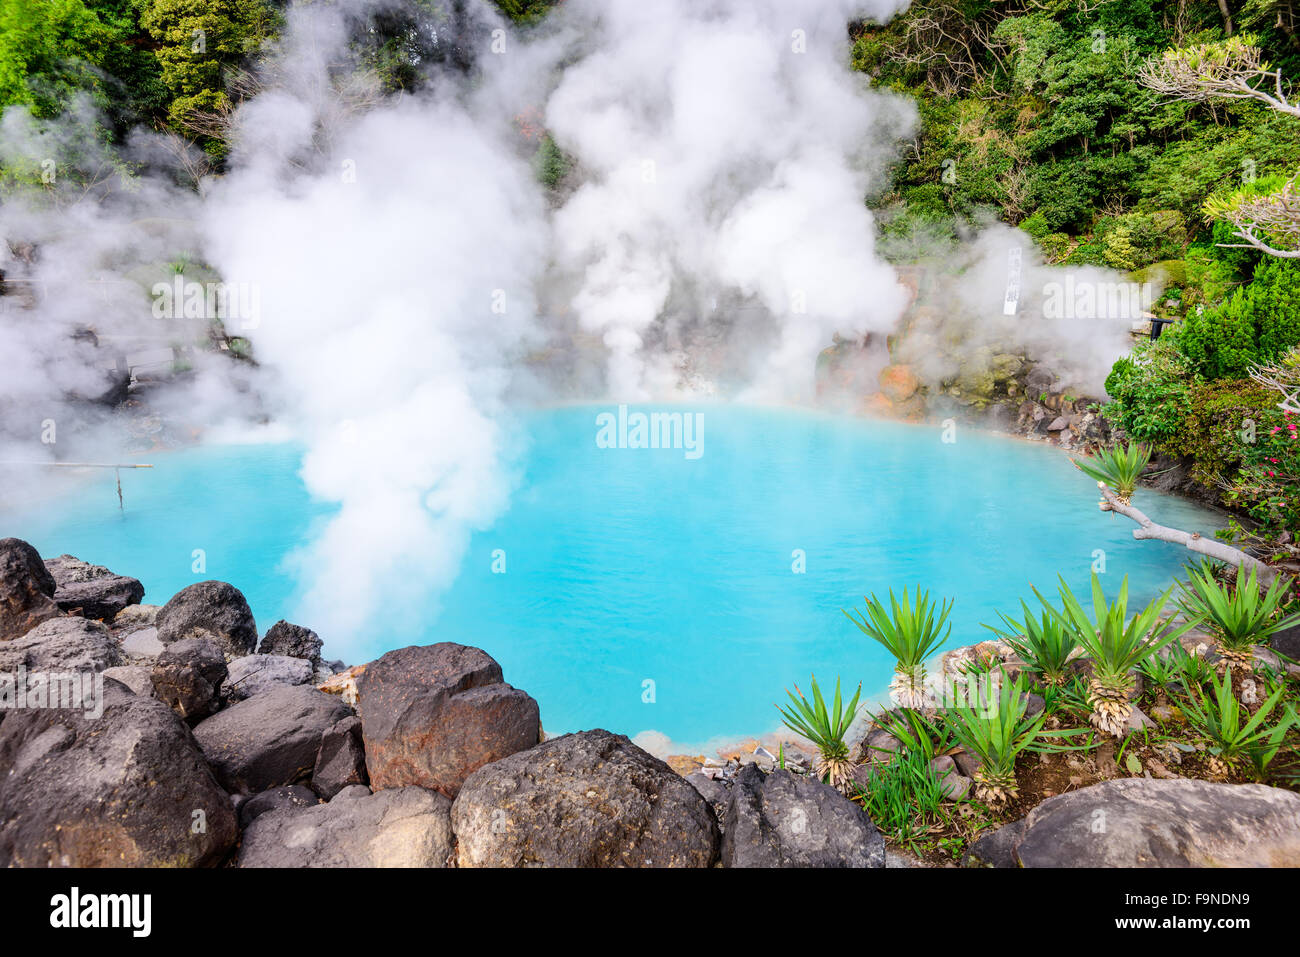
(410, 269)
(725, 148)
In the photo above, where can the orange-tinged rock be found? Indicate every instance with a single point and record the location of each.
(684, 764)
(345, 684)
(877, 405)
(898, 382)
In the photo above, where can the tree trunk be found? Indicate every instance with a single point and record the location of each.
(1227, 17)
(1210, 547)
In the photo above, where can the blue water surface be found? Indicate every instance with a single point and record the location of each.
(648, 591)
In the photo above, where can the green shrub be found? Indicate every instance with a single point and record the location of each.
(1218, 433)
(1258, 323)
(1150, 391)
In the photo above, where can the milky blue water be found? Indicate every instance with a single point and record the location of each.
(628, 566)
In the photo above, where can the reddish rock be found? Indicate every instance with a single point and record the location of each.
(876, 405)
(432, 715)
(898, 382)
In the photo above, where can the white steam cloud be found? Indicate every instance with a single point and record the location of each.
(727, 150)
(397, 272)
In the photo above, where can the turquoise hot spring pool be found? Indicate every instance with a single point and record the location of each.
(628, 566)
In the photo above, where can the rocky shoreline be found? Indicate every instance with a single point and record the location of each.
(205, 747)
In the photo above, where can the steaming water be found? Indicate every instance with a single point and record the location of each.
(628, 566)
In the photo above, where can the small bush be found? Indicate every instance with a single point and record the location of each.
(1256, 324)
(1151, 391)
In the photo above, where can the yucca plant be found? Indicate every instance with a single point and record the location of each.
(1240, 617)
(910, 631)
(1219, 718)
(1162, 671)
(917, 733)
(825, 728)
(1120, 468)
(1044, 644)
(1116, 644)
(997, 736)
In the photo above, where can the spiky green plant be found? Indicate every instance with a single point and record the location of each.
(825, 728)
(1120, 468)
(1116, 643)
(1219, 717)
(916, 732)
(1241, 616)
(910, 631)
(997, 736)
(1044, 644)
(1160, 671)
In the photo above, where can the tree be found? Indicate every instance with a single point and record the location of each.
(196, 41)
(1256, 324)
(1235, 69)
(49, 50)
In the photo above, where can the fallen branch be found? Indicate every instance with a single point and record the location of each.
(1196, 542)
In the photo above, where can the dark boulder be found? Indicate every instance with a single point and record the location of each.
(592, 799)
(62, 644)
(129, 789)
(212, 610)
(996, 848)
(295, 641)
(341, 761)
(289, 796)
(1287, 642)
(1145, 822)
(790, 820)
(187, 678)
(712, 790)
(431, 715)
(269, 740)
(91, 591)
(253, 674)
(26, 589)
(400, 827)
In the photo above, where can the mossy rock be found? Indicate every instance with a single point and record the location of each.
(1169, 272)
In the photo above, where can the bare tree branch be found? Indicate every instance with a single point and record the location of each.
(1232, 70)
(1210, 547)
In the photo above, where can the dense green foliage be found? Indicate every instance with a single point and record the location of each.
(1034, 111)
(171, 62)
(52, 50)
(1258, 323)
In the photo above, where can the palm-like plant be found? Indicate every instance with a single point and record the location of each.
(1219, 718)
(1120, 468)
(1240, 617)
(1043, 644)
(825, 728)
(910, 631)
(997, 737)
(1116, 644)
(917, 733)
